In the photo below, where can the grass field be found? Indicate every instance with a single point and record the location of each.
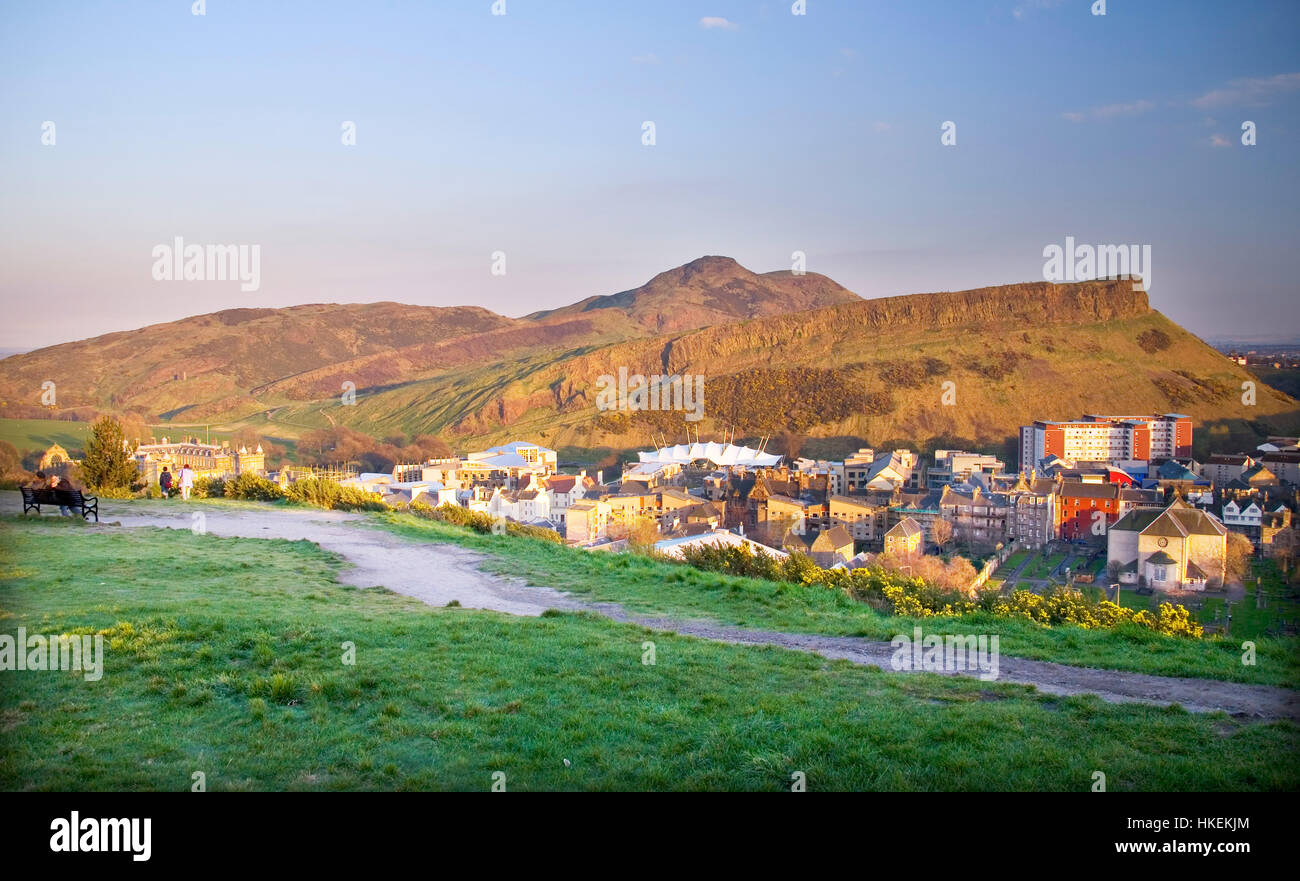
(659, 588)
(1009, 565)
(224, 656)
(39, 434)
(1040, 566)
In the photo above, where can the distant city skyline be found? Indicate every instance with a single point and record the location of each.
(524, 135)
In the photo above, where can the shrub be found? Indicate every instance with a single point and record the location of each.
(891, 592)
(208, 488)
(732, 559)
(327, 494)
(252, 488)
(480, 521)
(1153, 341)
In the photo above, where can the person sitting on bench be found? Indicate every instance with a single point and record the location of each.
(59, 486)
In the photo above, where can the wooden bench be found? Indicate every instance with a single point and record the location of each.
(64, 498)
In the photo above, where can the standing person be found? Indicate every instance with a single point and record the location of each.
(187, 481)
(165, 482)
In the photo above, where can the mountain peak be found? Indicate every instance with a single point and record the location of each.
(713, 290)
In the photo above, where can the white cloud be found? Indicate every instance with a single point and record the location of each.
(848, 53)
(881, 126)
(713, 21)
(1217, 140)
(1252, 92)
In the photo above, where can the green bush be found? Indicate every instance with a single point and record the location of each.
(480, 521)
(893, 593)
(327, 494)
(207, 488)
(252, 488)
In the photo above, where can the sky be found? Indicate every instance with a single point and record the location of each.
(523, 135)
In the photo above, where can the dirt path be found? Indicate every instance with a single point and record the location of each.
(438, 573)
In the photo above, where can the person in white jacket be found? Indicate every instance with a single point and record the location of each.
(187, 481)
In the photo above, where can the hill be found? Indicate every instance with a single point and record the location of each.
(865, 371)
(711, 291)
(780, 354)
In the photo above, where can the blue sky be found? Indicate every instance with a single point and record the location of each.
(522, 133)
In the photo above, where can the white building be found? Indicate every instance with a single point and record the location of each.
(675, 547)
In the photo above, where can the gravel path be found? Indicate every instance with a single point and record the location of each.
(438, 573)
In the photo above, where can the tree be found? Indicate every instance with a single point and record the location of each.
(1113, 568)
(108, 463)
(11, 463)
(941, 532)
(1237, 556)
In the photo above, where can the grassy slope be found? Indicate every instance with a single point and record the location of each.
(224, 657)
(657, 588)
(39, 434)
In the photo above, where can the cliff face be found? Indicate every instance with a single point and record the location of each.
(876, 371)
(846, 331)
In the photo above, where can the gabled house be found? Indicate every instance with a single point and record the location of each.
(904, 538)
(1177, 548)
(566, 489)
(827, 548)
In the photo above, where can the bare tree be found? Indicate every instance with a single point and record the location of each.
(1237, 556)
(941, 532)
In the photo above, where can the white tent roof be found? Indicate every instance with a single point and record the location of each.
(718, 454)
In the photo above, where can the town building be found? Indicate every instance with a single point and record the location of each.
(904, 538)
(1114, 439)
(205, 460)
(1283, 464)
(1031, 511)
(959, 466)
(827, 548)
(865, 520)
(867, 470)
(1221, 468)
(978, 518)
(587, 522)
(831, 472)
(1175, 548)
(676, 546)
